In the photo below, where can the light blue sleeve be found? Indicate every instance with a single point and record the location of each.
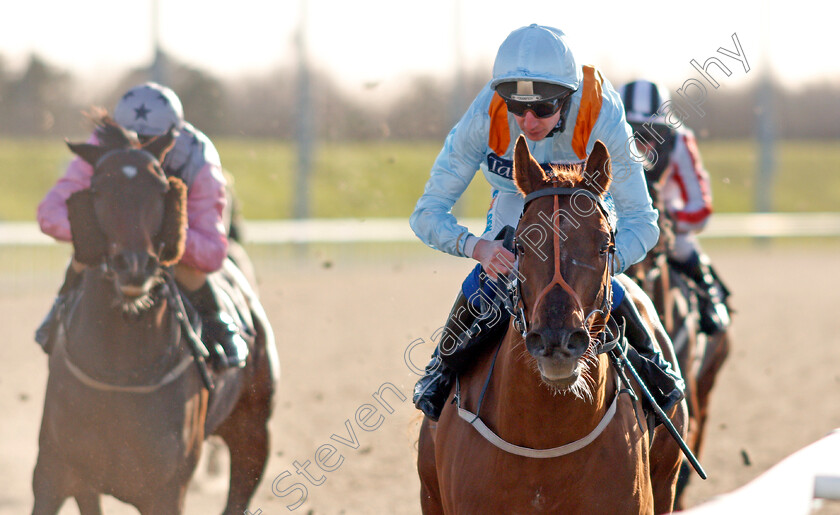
(464, 149)
(637, 230)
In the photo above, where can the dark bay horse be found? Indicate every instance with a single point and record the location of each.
(700, 356)
(126, 411)
(543, 424)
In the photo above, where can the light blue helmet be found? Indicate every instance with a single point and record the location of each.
(149, 110)
(538, 54)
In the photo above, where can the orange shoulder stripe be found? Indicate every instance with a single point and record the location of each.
(590, 108)
(499, 139)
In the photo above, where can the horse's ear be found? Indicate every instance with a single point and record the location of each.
(173, 233)
(90, 153)
(527, 172)
(598, 169)
(159, 146)
(89, 242)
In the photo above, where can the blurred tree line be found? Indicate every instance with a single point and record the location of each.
(43, 100)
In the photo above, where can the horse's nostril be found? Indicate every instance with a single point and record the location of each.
(578, 341)
(536, 344)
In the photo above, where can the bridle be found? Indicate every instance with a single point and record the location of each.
(515, 305)
(108, 266)
(517, 308)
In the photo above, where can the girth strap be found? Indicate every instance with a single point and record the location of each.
(90, 382)
(527, 452)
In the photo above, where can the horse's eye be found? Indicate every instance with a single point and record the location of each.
(604, 249)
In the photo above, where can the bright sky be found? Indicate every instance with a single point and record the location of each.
(383, 41)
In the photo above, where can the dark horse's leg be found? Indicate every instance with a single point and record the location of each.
(89, 503)
(246, 431)
(167, 501)
(47, 503)
(49, 481)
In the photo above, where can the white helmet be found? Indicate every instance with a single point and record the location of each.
(539, 54)
(642, 99)
(149, 110)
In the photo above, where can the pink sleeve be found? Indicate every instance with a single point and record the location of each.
(52, 211)
(207, 243)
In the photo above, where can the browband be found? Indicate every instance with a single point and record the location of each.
(551, 191)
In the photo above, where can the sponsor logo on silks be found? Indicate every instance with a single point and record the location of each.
(489, 223)
(504, 167)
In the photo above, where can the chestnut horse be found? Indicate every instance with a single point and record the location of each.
(545, 423)
(700, 356)
(126, 409)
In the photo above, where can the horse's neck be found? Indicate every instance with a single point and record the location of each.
(102, 337)
(523, 400)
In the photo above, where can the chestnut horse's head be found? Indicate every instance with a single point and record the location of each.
(564, 243)
(132, 218)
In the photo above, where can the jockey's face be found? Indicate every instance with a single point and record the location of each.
(535, 129)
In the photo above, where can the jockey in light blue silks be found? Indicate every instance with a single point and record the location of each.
(538, 90)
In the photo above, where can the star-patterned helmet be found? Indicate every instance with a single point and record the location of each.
(149, 110)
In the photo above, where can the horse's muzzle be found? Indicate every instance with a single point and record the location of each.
(561, 343)
(133, 271)
(558, 352)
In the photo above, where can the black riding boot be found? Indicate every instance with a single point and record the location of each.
(714, 315)
(45, 334)
(432, 389)
(665, 384)
(219, 331)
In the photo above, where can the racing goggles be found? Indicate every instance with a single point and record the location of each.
(540, 108)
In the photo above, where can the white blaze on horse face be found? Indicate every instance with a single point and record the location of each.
(129, 171)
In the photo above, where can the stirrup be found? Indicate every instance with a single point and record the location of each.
(228, 347)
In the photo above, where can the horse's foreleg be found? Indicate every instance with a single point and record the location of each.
(89, 503)
(47, 504)
(717, 351)
(430, 501)
(665, 460)
(167, 501)
(48, 485)
(247, 439)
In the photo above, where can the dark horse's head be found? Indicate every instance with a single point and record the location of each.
(563, 242)
(132, 219)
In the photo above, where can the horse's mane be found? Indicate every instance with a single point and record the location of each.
(109, 133)
(565, 176)
(568, 176)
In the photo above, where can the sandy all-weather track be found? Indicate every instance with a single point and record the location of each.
(343, 321)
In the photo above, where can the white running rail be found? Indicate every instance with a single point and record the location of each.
(372, 230)
(790, 487)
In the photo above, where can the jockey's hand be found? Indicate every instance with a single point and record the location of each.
(494, 257)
